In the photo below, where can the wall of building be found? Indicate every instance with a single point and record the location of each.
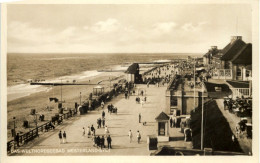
(130, 77)
(185, 101)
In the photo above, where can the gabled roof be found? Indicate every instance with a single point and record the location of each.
(162, 116)
(244, 56)
(232, 49)
(213, 52)
(133, 69)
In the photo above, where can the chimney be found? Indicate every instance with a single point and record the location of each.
(234, 38)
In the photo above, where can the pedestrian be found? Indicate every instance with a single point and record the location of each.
(130, 134)
(138, 137)
(103, 122)
(17, 139)
(109, 140)
(108, 108)
(238, 131)
(102, 142)
(142, 102)
(171, 122)
(140, 117)
(106, 131)
(225, 104)
(64, 137)
(125, 94)
(92, 129)
(145, 98)
(174, 123)
(94, 141)
(102, 105)
(99, 122)
(60, 137)
(98, 141)
(83, 131)
(103, 114)
(88, 131)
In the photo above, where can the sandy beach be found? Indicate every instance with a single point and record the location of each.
(20, 108)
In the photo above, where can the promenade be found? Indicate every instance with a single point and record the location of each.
(118, 124)
(245, 143)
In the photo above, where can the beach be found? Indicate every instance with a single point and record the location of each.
(21, 107)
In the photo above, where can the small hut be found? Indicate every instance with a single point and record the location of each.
(98, 90)
(163, 127)
(132, 73)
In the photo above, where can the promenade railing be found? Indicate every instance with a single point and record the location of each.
(32, 134)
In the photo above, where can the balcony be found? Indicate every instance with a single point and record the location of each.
(225, 74)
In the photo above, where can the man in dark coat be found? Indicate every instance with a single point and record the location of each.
(103, 122)
(102, 142)
(92, 129)
(98, 141)
(17, 139)
(109, 140)
(64, 137)
(103, 114)
(60, 137)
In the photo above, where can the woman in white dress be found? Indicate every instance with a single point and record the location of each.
(106, 131)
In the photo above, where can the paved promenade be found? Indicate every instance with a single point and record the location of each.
(245, 143)
(118, 124)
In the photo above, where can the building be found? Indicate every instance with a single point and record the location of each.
(132, 73)
(180, 99)
(233, 63)
(208, 57)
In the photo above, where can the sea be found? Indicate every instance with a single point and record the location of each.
(22, 68)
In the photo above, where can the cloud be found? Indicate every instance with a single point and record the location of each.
(99, 36)
(107, 26)
(164, 27)
(193, 27)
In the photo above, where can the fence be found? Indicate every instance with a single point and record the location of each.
(222, 74)
(26, 137)
(239, 92)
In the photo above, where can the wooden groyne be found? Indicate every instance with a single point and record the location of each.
(60, 84)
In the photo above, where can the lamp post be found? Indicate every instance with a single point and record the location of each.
(14, 127)
(80, 98)
(61, 90)
(202, 119)
(36, 124)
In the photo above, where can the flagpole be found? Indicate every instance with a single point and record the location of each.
(194, 85)
(202, 119)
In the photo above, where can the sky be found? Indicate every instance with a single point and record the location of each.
(121, 28)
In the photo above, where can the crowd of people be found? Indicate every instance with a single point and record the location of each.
(242, 108)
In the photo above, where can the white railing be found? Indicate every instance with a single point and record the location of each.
(239, 92)
(222, 74)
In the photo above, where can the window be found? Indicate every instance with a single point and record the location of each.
(248, 73)
(161, 128)
(239, 72)
(174, 101)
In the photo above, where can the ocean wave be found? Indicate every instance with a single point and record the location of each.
(22, 90)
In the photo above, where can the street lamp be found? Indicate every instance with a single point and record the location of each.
(35, 120)
(14, 127)
(80, 99)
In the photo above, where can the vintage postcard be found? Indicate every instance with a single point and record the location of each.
(146, 78)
